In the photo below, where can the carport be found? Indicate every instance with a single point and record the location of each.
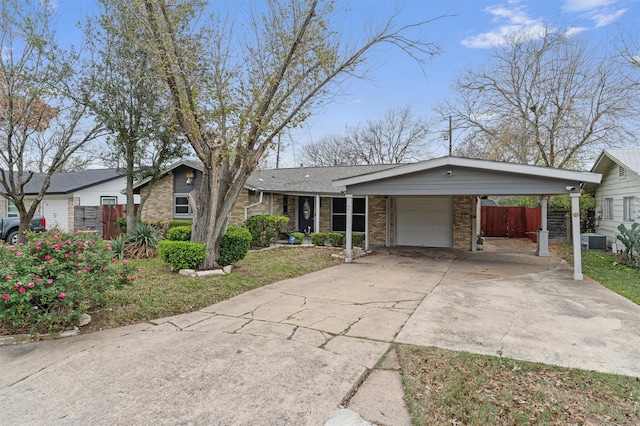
(436, 203)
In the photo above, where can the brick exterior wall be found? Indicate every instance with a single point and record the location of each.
(246, 198)
(462, 227)
(377, 220)
(159, 205)
(325, 214)
(71, 213)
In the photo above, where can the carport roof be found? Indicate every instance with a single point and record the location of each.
(543, 176)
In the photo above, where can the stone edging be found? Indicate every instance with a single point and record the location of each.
(16, 339)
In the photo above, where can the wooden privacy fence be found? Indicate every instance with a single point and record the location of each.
(512, 222)
(100, 219)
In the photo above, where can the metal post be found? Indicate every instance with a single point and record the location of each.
(348, 255)
(575, 225)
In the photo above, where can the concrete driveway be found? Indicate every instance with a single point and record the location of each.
(292, 352)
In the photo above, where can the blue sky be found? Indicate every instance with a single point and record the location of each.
(465, 38)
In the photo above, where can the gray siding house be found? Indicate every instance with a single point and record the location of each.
(618, 196)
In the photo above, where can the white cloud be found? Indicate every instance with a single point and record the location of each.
(585, 5)
(575, 30)
(511, 20)
(604, 19)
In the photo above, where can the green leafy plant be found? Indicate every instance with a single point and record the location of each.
(357, 239)
(117, 246)
(182, 254)
(299, 237)
(142, 242)
(179, 233)
(234, 245)
(630, 238)
(48, 283)
(264, 228)
(318, 238)
(336, 239)
(179, 222)
(122, 223)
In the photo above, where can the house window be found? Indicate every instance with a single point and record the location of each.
(628, 209)
(339, 214)
(608, 208)
(108, 201)
(285, 204)
(12, 210)
(181, 206)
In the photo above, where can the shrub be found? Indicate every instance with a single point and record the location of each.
(318, 238)
(179, 233)
(180, 222)
(122, 223)
(182, 254)
(357, 239)
(46, 285)
(142, 243)
(336, 239)
(264, 228)
(299, 236)
(234, 245)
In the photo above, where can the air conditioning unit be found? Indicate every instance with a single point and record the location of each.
(593, 242)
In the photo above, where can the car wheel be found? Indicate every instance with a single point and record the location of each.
(12, 238)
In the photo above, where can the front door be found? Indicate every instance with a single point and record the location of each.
(305, 214)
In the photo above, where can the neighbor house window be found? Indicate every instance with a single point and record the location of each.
(285, 204)
(608, 208)
(12, 210)
(628, 209)
(339, 214)
(181, 206)
(108, 200)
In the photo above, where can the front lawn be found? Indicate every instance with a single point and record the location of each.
(157, 292)
(458, 388)
(605, 267)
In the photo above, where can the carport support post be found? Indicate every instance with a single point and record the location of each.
(348, 251)
(316, 210)
(575, 228)
(543, 234)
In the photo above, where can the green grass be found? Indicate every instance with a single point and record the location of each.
(605, 267)
(157, 292)
(446, 387)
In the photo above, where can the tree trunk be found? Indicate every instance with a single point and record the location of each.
(25, 222)
(212, 205)
(131, 207)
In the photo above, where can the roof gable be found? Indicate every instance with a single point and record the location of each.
(629, 158)
(466, 176)
(69, 182)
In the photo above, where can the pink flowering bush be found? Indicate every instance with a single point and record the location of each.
(47, 284)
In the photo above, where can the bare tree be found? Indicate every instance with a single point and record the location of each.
(126, 96)
(36, 78)
(233, 92)
(398, 137)
(550, 101)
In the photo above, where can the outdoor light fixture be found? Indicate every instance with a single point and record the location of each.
(190, 176)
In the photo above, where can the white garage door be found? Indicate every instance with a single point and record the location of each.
(424, 221)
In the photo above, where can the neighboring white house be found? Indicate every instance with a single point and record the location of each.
(93, 187)
(618, 196)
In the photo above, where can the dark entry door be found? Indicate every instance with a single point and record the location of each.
(305, 214)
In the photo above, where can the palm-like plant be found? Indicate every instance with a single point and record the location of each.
(142, 242)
